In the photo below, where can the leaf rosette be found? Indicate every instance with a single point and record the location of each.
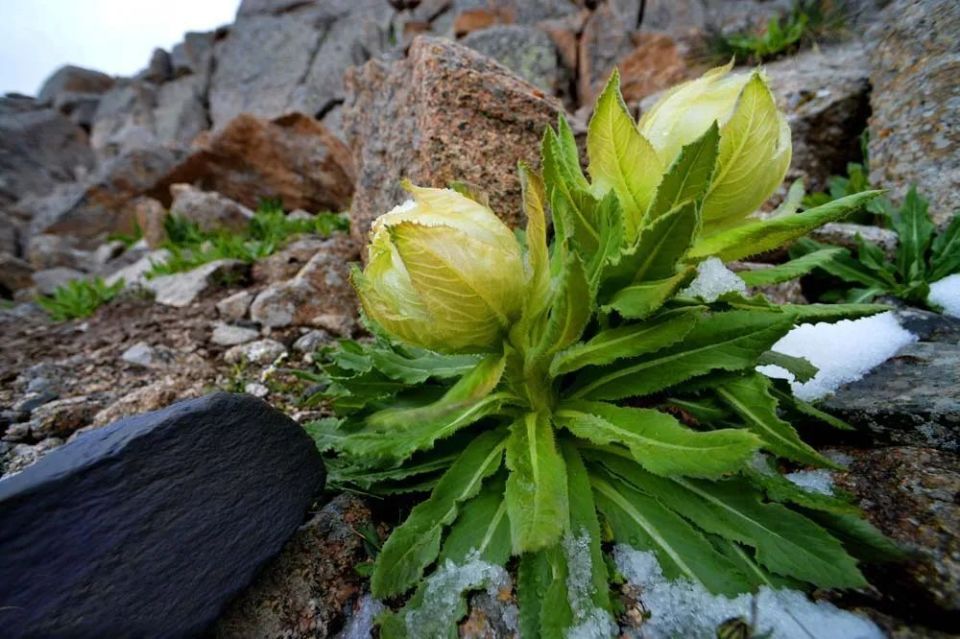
(550, 396)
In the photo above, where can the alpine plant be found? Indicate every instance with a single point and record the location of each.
(546, 394)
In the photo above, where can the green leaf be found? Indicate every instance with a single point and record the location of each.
(537, 485)
(846, 267)
(800, 367)
(574, 208)
(570, 155)
(482, 528)
(664, 242)
(805, 408)
(471, 389)
(325, 433)
(915, 231)
(689, 176)
(753, 157)
(787, 543)
(621, 159)
(778, 488)
(414, 544)
(727, 341)
(534, 205)
(749, 396)
(641, 300)
(873, 257)
(859, 537)
(610, 224)
(809, 313)
(584, 530)
(534, 578)
(682, 551)
(367, 478)
(790, 270)
(760, 236)
(626, 341)
(422, 366)
(945, 251)
(658, 441)
(570, 309)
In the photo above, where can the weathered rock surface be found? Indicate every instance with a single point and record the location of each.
(263, 351)
(293, 158)
(230, 335)
(72, 79)
(39, 148)
(234, 307)
(288, 261)
(915, 125)
(910, 494)
(825, 93)
(525, 50)
(319, 295)
(604, 41)
(15, 274)
(182, 289)
(912, 399)
(89, 212)
(90, 546)
(656, 63)
(208, 210)
(845, 234)
(445, 113)
(303, 592)
(301, 57)
(49, 280)
(49, 251)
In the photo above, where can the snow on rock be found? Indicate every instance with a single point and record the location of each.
(814, 481)
(713, 280)
(843, 352)
(361, 623)
(443, 590)
(590, 622)
(682, 608)
(945, 293)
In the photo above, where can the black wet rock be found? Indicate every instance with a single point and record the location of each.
(149, 526)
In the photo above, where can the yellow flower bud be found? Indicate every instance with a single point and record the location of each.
(755, 146)
(443, 273)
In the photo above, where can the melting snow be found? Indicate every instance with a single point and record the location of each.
(844, 351)
(814, 481)
(945, 293)
(685, 609)
(713, 280)
(360, 625)
(443, 591)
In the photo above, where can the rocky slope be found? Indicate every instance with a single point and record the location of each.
(325, 106)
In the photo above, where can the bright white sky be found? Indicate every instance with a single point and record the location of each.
(113, 36)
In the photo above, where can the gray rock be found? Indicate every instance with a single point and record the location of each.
(61, 417)
(319, 295)
(72, 79)
(170, 513)
(15, 274)
(910, 495)
(180, 114)
(209, 210)
(125, 119)
(525, 50)
(234, 307)
(39, 148)
(19, 456)
(825, 95)
(929, 326)
(50, 251)
(194, 55)
(49, 280)
(912, 399)
(303, 593)
(135, 274)
(182, 289)
(256, 389)
(311, 341)
(915, 124)
(140, 354)
(107, 252)
(288, 261)
(300, 59)
(264, 351)
(9, 235)
(104, 205)
(159, 69)
(229, 335)
(605, 40)
(845, 234)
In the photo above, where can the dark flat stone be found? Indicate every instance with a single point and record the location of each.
(149, 526)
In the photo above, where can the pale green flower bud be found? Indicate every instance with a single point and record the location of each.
(755, 146)
(443, 273)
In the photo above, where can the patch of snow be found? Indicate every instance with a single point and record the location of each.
(945, 293)
(590, 622)
(814, 481)
(839, 457)
(443, 590)
(713, 280)
(843, 352)
(681, 608)
(361, 623)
